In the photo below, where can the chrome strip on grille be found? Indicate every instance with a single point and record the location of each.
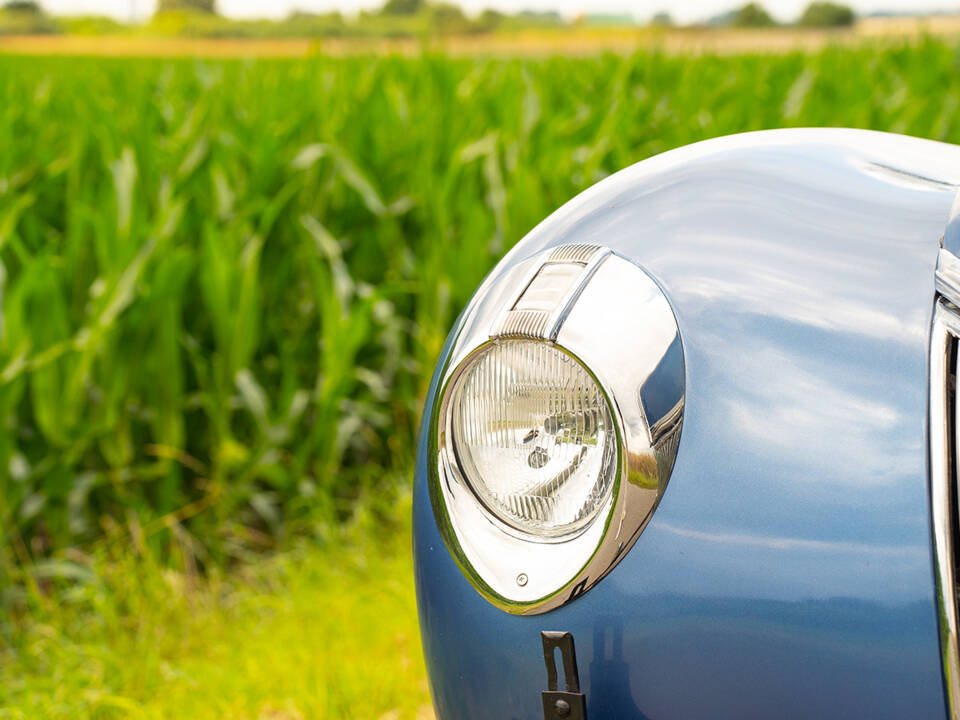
(944, 427)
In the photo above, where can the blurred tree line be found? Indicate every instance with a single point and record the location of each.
(816, 15)
(202, 6)
(396, 18)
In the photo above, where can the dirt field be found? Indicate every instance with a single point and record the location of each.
(573, 41)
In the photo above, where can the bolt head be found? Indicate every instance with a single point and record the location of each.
(562, 707)
(522, 579)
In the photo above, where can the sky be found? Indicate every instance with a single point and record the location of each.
(683, 11)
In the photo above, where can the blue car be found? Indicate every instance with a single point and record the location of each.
(691, 449)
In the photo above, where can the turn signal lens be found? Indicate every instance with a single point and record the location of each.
(534, 436)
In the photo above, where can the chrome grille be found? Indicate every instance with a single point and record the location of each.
(944, 344)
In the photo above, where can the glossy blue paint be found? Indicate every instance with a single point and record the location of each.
(787, 571)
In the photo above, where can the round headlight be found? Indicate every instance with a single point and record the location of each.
(535, 437)
(555, 424)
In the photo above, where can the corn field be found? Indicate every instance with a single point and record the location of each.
(224, 283)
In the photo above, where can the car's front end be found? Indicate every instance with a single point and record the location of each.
(687, 420)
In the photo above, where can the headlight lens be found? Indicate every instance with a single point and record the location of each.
(534, 436)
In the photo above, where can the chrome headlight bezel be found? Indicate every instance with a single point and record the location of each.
(614, 320)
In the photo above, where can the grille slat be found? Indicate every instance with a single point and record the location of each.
(944, 445)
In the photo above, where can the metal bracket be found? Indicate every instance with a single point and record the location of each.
(570, 704)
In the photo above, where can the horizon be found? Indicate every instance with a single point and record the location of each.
(685, 12)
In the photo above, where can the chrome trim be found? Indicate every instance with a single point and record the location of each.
(544, 324)
(948, 276)
(525, 323)
(589, 269)
(574, 253)
(617, 323)
(951, 236)
(945, 332)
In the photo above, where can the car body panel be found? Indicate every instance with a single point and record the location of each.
(787, 571)
(952, 235)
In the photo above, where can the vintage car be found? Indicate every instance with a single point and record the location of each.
(690, 451)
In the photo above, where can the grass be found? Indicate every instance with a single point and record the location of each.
(311, 633)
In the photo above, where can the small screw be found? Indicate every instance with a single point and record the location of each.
(562, 707)
(522, 579)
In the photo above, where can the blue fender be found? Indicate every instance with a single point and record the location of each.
(788, 570)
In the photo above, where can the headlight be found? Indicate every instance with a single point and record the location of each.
(556, 425)
(535, 437)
